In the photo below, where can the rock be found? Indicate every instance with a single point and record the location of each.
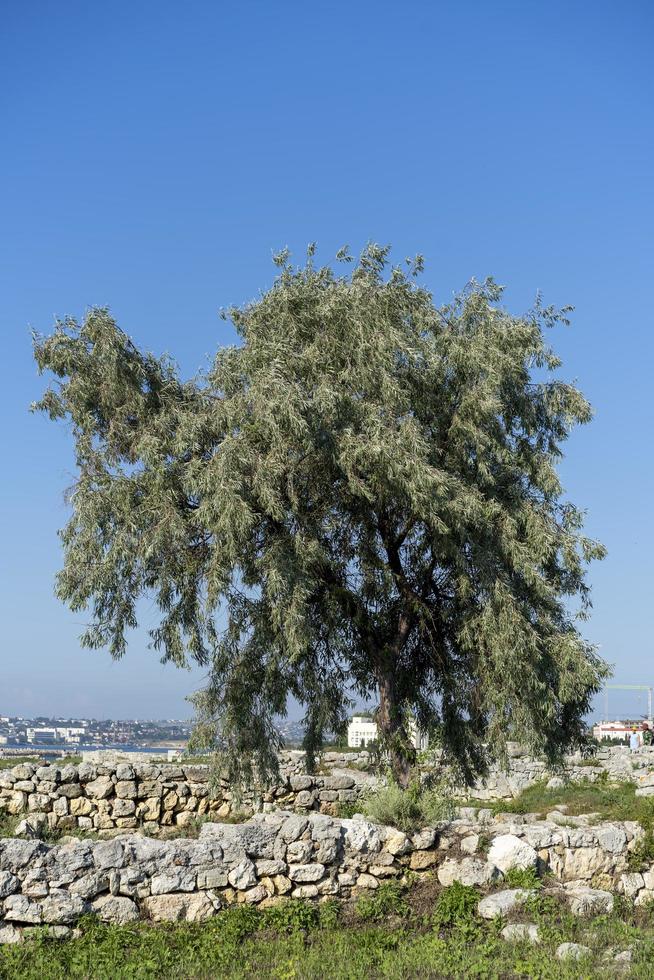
(338, 782)
(174, 880)
(17, 854)
(421, 860)
(108, 854)
(126, 789)
(611, 838)
(90, 885)
(424, 839)
(625, 956)
(362, 836)
(8, 884)
(10, 934)
(100, 788)
(178, 908)
(508, 851)
(213, 878)
(631, 884)
(305, 891)
(397, 843)
(114, 909)
(502, 902)
(62, 908)
(306, 872)
(469, 871)
(556, 783)
(590, 901)
(243, 876)
(299, 851)
(18, 908)
(572, 951)
(367, 881)
(520, 932)
(301, 782)
(470, 844)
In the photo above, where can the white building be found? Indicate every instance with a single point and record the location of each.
(615, 729)
(41, 735)
(363, 730)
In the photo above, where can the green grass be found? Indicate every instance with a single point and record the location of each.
(18, 760)
(312, 941)
(612, 801)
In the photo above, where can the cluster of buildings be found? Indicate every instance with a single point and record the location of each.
(72, 732)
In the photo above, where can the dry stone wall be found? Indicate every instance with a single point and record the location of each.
(311, 856)
(122, 796)
(114, 796)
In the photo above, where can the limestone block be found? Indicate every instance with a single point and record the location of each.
(367, 881)
(243, 876)
(10, 934)
(502, 902)
(306, 872)
(18, 908)
(305, 891)
(179, 908)
(63, 908)
(421, 860)
(590, 901)
(520, 932)
(100, 788)
(469, 871)
(299, 851)
(178, 880)
(572, 951)
(508, 851)
(115, 909)
(9, 883)
(126, 789)
(108, 854)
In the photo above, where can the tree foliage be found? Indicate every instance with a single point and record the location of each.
(360, 497)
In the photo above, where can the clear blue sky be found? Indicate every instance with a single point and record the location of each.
(155, 153)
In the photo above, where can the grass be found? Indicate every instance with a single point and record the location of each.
(412, 934)
(611, 801)
(17, 760)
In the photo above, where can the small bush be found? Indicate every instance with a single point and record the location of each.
(522, 878)
(406, 809)
(291, 916)
(387, 900)
(457, 904)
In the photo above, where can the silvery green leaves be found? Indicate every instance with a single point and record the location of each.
(359, 499)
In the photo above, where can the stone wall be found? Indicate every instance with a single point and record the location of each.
(106, 798)
(110, 797)
(280, 854)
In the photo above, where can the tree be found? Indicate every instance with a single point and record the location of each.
(360, 497)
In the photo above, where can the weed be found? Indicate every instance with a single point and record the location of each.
(456, 905)
(388, 900)
(522, 878)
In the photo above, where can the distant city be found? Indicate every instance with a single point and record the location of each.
(70, 735)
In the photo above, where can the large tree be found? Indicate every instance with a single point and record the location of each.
(361, 496)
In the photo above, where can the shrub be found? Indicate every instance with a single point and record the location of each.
(456, 905)
(522, 878)
(387, 900)
(406, 809)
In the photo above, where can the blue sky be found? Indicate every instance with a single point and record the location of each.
(155, 154)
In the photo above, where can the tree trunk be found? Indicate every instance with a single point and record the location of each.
(389, 721)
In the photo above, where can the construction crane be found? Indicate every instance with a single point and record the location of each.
(628, 687)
